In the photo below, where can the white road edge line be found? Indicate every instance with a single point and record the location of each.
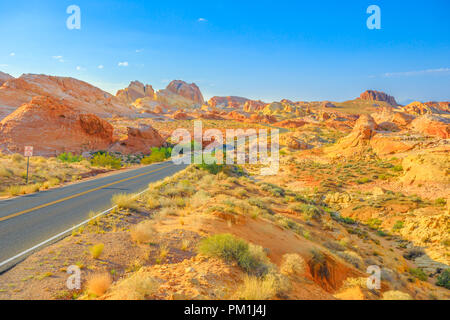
(62, 233)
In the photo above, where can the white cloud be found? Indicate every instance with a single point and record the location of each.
(12, 54)
(139, 50)
(123, 64)
(202, 20)
(59, 58)
(415, 73)
(79, 68)
(100, 66)
(3, 65)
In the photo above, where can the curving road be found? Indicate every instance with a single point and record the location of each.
(30, 220)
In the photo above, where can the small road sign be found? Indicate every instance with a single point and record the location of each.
(28, 151)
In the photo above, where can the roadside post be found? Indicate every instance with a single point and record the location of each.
(28, 153)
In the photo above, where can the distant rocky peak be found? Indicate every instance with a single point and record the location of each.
(189, 91)
(372, 95)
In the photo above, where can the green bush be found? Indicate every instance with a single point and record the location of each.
(69, 157)
(226, 246)
(398, 225)
(309, 211)
(440, 202)
(213, 168)
(443, 279)
(106, 160)
(374, 223)
(347, 220)
(157, 155)
(418, 273)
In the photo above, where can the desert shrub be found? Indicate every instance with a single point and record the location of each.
(13, 190)
(398, 225)
(363, 180)
(157, 155)
(226, 246)
(334, 246)
(124, 201)
(396, 295)
(50, 183)
(143, 232)
(98, 284)
(96, 250)
(212, 168)
(352, 258)
(413, 253)
(152, 203)
(199, 199)
(69, 157)
(31, 188)
(418, 273)
(382, 233)
(106, 160)
(5, 172)
(292, 265)
(438, 201)
(137, 287)
(443, 280)
(374, 223)
(17, 158)
(254, 288)
(309, 211)
(397, 168)
(275, 190)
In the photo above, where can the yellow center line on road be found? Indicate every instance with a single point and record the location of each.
(77, 195)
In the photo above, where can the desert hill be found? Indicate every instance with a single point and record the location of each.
(78, 94)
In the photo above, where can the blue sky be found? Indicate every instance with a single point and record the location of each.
(270, 50)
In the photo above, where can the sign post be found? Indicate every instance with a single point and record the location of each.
(28, 153)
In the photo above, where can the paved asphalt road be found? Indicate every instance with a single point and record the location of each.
(29, 220)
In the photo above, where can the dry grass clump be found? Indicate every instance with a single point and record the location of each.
(96, 250)
(98, 284)
(137, 287)
(355, 282)
(396, 295)
(249, 257)
(352, 258)
(199, 198)
(152, 203)
(15, 190)
(5, 173)
(125, 201)
(143, 232)
(255, 288)
(263, 288)
(50, 183)
(292, 265)
(17, 158)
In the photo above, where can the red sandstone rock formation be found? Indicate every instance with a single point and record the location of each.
(372, 95)
(52, 127)
(138, 140)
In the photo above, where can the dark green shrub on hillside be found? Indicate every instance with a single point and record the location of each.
(443, 279)
(106, 160)
(230, 248)
(157, 155)
(69, 157)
